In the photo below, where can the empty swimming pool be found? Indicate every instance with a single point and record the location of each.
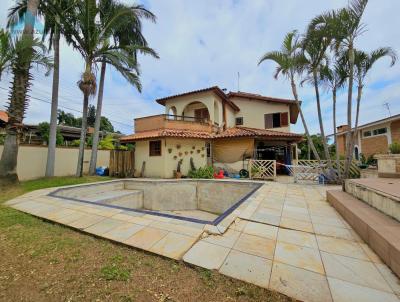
(199, 201)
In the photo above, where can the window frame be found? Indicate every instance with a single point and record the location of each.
(155, 151)
(239, 118)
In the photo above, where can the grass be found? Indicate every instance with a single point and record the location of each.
(41, 261)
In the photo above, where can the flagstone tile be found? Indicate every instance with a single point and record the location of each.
(328, 221)
(206, 255)
(104, 226)
(354, 270)
(299, 256)
(332, 231)
(341, 247)
(266, 218)
(300, 284)
(296, 224)
(173, 245)
(238, 225)
(227, 239)
(123, 232)
(255, 245)
(177, 228)
(248, 268)
(262, 230)
(298, 238)
(85, 221)
(146, 238)
(390, 277)
(370, 253)
(343, 291)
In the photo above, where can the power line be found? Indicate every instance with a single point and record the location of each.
(65, 107)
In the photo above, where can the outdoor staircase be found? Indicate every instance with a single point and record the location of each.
(372, 209)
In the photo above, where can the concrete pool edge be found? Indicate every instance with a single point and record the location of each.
(219, 219)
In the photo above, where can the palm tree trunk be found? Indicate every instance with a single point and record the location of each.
(321, 124)
(354, 137)
(349, 108)
(51, 153)
(18, 104)
(79, 168)
(93, 157)
(296, 98)
(335, 132)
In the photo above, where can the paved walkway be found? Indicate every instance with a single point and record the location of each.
(286, 237)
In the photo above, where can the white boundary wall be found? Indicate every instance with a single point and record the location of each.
(32, 161)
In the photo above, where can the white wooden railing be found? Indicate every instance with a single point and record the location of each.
(262, 169)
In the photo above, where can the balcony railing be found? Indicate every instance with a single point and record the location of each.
(170, 121)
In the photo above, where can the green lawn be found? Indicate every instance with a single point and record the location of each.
(41, 261)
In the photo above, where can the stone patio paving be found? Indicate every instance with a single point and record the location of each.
(286, 237)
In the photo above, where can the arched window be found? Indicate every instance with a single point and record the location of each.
(356, 153)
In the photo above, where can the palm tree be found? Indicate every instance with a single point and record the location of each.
(314, 46)
(92, 39)
(27, 51)
(363, 63)
(291, 63)
(6, 53)
(52, 10)
(128, 34)
(345, 27)
(335, 78)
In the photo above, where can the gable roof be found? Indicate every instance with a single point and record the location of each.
(254, 132)
(218, 91)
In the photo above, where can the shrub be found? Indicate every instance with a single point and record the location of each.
(107, 143)
(394, 148)
(44, 129)
(202, 172)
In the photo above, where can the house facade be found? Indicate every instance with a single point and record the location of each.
(211, 127)
(372, 138)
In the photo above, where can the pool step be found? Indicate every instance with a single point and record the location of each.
(132, 199)
(379, 231)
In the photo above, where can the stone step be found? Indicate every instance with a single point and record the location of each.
(379, 231)
(382, 194)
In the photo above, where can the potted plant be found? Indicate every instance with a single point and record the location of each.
(389, 164)
(178, 173)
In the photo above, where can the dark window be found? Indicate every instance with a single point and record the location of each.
(201, 115)
(239, 121)
(379, 131)
(367, 133)
(208, 148)
(276, 120)
(155, 148)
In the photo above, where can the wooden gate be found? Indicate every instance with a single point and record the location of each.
(262, 169)
(122, 163)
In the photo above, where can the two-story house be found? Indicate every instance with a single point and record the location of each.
(209, 126)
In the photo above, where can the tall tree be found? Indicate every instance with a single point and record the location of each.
(129, 34)
(92, 39)
(291, 63)
(315, 45)
(27, 51)
(345, 26)
(6, 51)
(363, 63)
(52, 11)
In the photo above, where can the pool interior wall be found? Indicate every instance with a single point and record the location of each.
(154, 196)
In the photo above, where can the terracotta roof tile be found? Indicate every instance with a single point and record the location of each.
(260, 97)
(229, 133)
(3, 116)
(215, 89)
(167, 133)
(254, 132)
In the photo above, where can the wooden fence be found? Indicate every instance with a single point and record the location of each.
(262, 169)
(354, 170)
(122, 163)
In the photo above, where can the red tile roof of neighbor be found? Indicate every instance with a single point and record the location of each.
(3, 116)
(229, 133)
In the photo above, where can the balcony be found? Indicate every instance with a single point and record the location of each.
(169, 121)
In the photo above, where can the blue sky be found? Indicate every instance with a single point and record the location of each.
(206, 43)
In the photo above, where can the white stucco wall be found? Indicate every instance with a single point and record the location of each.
(32, 161)
(253, 112)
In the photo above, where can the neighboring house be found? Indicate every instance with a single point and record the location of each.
(3, 122)
(372, 138)
(213, 127)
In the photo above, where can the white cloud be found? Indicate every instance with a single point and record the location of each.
(205, 43)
